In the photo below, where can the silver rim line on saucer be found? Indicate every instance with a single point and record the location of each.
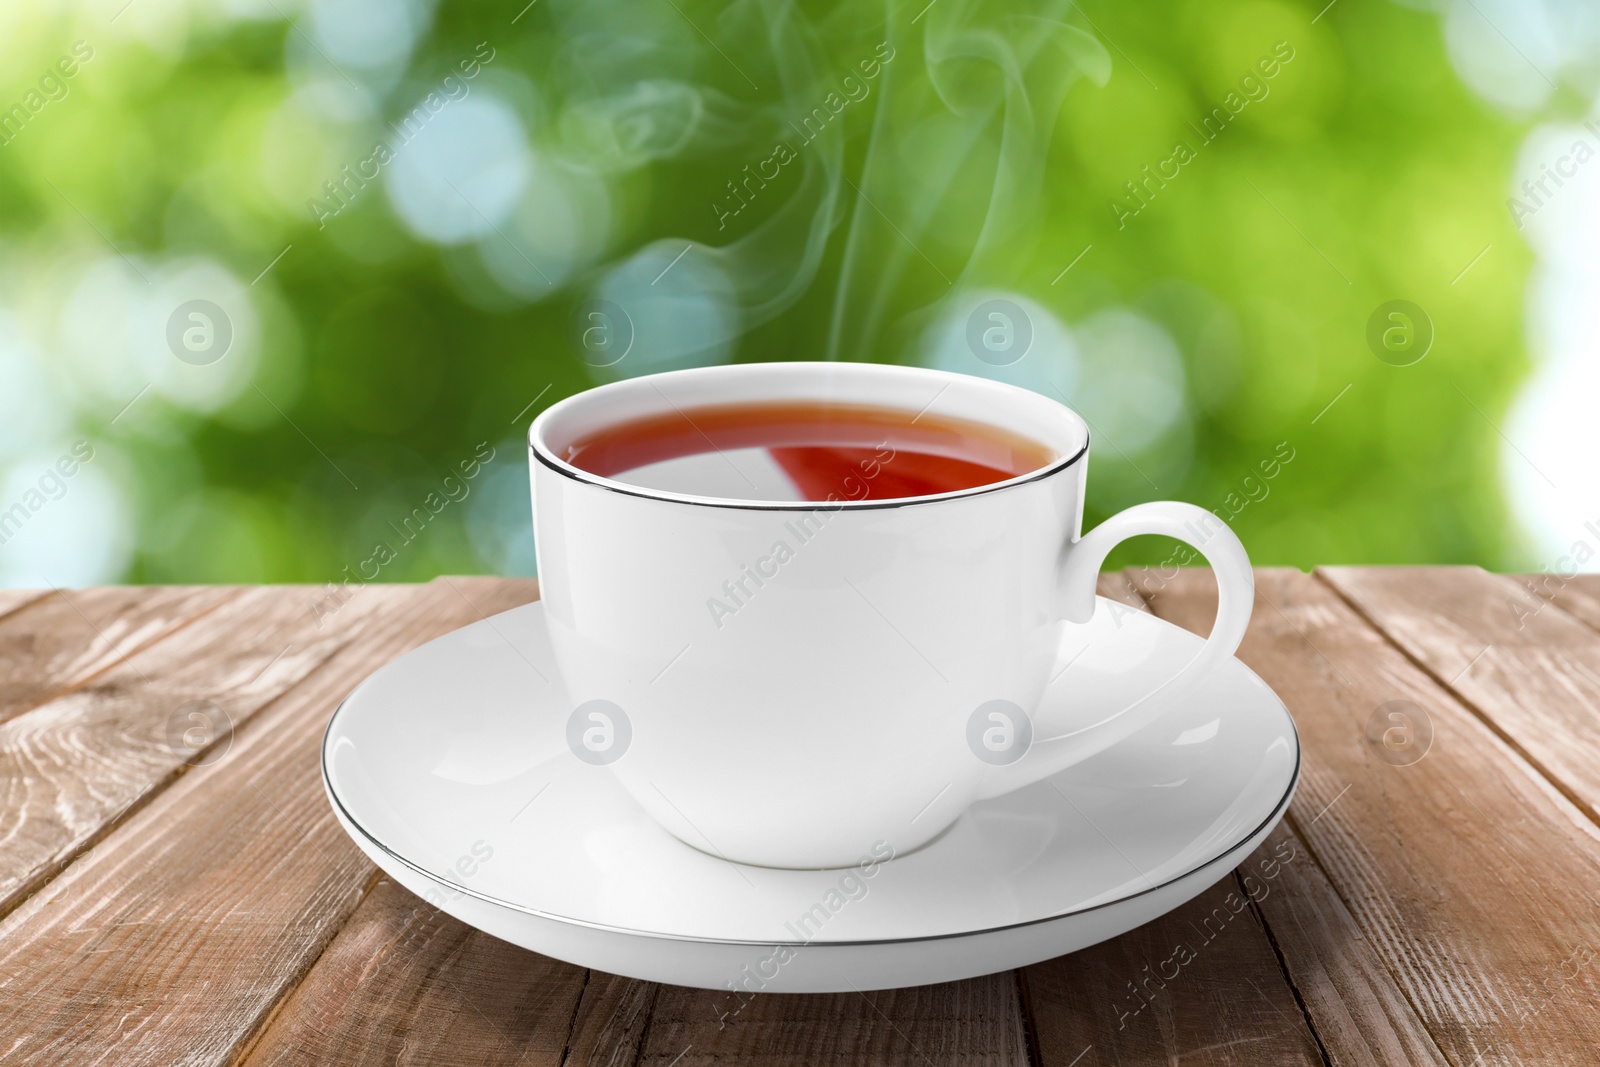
(1277, 813)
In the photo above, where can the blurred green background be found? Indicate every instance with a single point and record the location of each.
(283, 267)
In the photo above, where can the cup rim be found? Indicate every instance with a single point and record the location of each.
(541, 451)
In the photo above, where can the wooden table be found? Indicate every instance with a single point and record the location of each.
(160, 905)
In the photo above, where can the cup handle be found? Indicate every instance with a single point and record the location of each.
(1078, 568)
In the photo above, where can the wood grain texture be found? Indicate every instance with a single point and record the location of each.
(345, 999)
(1471, 876)
(1200, 985)
(72, 767)
(16, 599)
(1231, 1003)
(64, 637)
(177, 936)
(405, 982)
(974, 1022)
(1358, 1012)
(1437, 912)
(611, 1021)
(1530, 669)
(1576, 594)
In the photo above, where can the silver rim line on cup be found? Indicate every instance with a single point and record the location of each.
(327, 782)
(566, 469)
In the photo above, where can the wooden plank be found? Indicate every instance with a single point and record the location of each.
(72, 767)
(1529, 669)
(404, 976)
(350, 997)
(62, 637)
(13, 601)
(1115, 585)
(403, 981)
(1360, 1016)
(16, 599)
(1576, 594)
(1199, 985)
(611, 1021)
(1357, 1011)
(1110, 1004)
(1471, 877)
(978, 1021)
(174, 940)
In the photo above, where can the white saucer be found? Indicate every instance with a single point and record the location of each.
(450, 769)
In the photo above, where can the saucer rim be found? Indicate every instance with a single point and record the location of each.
(1277, 813)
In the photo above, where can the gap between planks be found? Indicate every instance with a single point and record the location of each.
(1026, 1015)
(298, 906)
(1465, 919)
(206, 599)
(111, 723)
(1127, 591)
(250, 1043)
(1288, 1023)
(1367, 1018)
(14, 600)
(1552, 777)
(669, 1029)
(613, 1019)
(191, 604)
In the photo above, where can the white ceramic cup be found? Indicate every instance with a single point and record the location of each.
(875, 681)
